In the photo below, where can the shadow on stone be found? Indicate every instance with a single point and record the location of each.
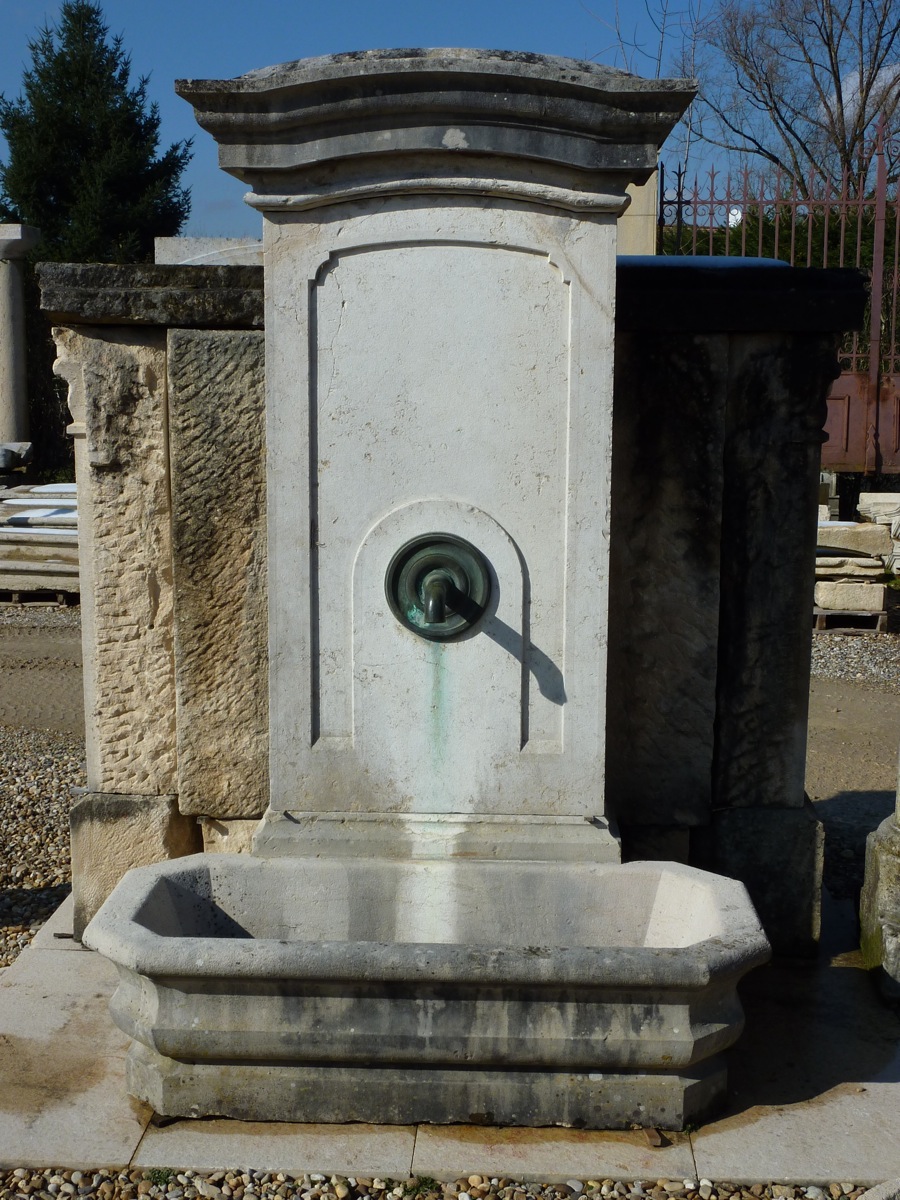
(848, 818)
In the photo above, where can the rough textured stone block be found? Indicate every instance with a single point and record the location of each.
(864, 539)
(778, 855)
(850, 597)
(117, 395)
(111, 834)
(716, 448)
(860, 570)
(184, 297)
(217, 421)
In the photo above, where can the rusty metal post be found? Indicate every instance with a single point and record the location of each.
(873, 455)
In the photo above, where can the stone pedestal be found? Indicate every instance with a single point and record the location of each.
(15, 243)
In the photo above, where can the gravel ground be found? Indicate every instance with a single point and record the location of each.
(37, 616)
(873, 660)
(245, 1185)
(38, 770)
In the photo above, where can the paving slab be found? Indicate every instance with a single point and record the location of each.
(549, 1155)
(62, 1065)
(814, 1083)
(385, 1151)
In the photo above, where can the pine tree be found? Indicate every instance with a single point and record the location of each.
(82, 162)
(83, 166)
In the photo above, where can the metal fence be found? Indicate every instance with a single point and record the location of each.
(818, 225)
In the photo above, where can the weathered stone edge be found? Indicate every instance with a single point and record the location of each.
(182, 296)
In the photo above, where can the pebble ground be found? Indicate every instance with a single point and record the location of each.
(872, 660)
(39, 769)
(269, 1185)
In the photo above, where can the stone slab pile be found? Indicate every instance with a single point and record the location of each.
(883, 508)
(39, 538)
(852, 559)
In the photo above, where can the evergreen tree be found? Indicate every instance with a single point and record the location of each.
(82, 162)
(83, 166)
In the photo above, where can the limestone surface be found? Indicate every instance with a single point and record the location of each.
(663, 652)
(551, 977)
(880, 507)
(880, 906)
(111, 834)
(850, 597)
(227, 837)
(865, 539)
(483, 121)
(879, 910)
(216, 427)
(147, 294)
(117, 396)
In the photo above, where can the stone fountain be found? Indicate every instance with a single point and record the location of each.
(407, 531)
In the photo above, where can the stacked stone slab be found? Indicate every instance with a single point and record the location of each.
(851, 561)
(129, 332)
(39, 539)
(883, 508)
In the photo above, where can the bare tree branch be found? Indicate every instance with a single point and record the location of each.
(801, 84)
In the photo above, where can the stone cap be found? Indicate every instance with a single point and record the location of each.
(186, 297)
(429, 120)
(688, 294)
(17, 240)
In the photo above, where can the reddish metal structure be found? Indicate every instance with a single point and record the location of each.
(816, 226)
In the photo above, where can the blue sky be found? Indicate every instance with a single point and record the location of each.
(217, 39)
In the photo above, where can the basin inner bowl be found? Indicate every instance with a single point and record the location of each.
(514, 904)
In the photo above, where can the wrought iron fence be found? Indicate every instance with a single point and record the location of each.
(819, 224)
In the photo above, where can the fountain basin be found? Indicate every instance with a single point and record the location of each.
(585, 994)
